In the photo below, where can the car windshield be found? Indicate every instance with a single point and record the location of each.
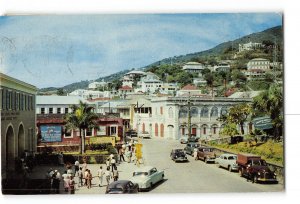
(207, 150)
(115, 190)
(232, 158)
(140, 173)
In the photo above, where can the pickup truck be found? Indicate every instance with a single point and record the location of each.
(254, 168)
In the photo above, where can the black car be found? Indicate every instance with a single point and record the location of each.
(122, 187)
(178, 155)
(189, 148)
(131, 135)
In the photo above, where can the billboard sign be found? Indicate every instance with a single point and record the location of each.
(51, 133)
(262, 123)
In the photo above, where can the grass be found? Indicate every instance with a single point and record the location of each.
(271, 151)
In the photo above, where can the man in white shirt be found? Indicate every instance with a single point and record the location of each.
(100, 175)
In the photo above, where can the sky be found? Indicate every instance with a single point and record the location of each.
(56, 50)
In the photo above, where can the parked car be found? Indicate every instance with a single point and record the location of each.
(122, 187)
(206, 154)
(193, 139)
(189, 148)
(227, 161)
(131, 135)
(178, 155)
(183, 139)
(144, 135)
(146, 177)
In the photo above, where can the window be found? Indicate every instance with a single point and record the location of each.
(113, 130)
(50, 110)
(214, 112)
(58, 110)
(66, 110)
(89, 132)
(42, 110)
(161, 110)
(194, 112)
(204, 112)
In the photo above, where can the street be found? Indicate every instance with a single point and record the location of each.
(190, 177)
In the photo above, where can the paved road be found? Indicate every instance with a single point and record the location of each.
(191, 177)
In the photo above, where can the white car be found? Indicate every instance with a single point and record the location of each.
(145, 135)
(146, 177)
(227, 161)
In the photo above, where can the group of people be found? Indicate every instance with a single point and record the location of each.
(67, 178)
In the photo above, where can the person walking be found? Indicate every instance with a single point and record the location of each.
(195, 154)
(76, 165)
(66, 179)
(108, 175)
(121, 154)
(107, 162)
(115, 174)
(71, 185)
(80, 177)
(113, 163)
(86, 177)
(100, 175)
(89, 178)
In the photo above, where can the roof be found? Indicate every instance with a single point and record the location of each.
(119, 183)
(59, 100)
(144, 168)
(99, 99)
(259, 59)
(116, 103)
(189, 87)
(136, 72)
(193, 63)
(247, 94)
(125, 88)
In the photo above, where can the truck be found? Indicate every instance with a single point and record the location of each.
(254, 168)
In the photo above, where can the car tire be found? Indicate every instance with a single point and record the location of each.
(229, 168)
(255, 179)
(205, 160)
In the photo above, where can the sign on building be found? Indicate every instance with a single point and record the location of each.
(51, 133)
(262, 123)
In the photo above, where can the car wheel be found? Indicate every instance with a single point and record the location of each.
(151, 186)
(255, 179)
(229, 169)
(205, 160)
(219, 166)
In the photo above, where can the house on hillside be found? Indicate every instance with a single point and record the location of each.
(225, 67)
(250, 46)
(189, 90)
(150, 83)
(193, 67)
(257, 68)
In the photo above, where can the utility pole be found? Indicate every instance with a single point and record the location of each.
(189, 116)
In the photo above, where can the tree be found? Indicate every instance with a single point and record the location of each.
(271, 103)
(81, 117)
(60, 92)
(238, 115)
(209, 77)
(229, 130)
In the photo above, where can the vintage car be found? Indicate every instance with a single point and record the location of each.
(144, 135)
(131, 135)
(227, 161)
(189, 148)
(178, 155)
(207, 154)
(183, 139)
(122, 187)
(146, 177)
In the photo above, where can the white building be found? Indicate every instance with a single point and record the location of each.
(249, 46)
(56, 104)
(193, 67)
(87, 94)
(94, 85)
(189, 90)
(149, 83)
(258, 63)
(116, 106)
(225, 67)
(127, 81)
(167, 117)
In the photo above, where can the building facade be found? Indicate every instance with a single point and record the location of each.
(17, 121)
(167, 117)
(193, 67)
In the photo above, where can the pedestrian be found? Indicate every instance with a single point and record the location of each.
(55, 183)
(84, 165)
(100, 175)
(66, 179)
(70, 171)
(129, 155)
(80, 177)
(107, 162)
(61, 158)
(71, 185)
(89, 178)
(121, 154)
(115, 174)
(108, 175)
(76, 165)
(86, 177)
(113, 163)
(196, 154)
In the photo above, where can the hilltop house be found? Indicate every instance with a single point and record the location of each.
(193, 67)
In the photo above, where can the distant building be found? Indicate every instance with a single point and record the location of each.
(193, 67)
(90, 94)
(169, 88)
(125, 90)
(199, 81)
(257, 67)
(249, 46)
(94, 85)
(127, 81)
(225, 67)
(150, 83)
(189, 90)
(17, 110)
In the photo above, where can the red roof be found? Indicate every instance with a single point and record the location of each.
(125, 88)
(189, 87)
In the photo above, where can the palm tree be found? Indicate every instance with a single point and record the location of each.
(81, 117)
(271, 103)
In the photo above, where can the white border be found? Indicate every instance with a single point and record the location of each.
(291, 37)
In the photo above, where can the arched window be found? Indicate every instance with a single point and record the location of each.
(156, 129)
(224, 111)
(162, 130)
(204, 112)
(170, 112)
(214, 112)
(194, 112)
(183, 113)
